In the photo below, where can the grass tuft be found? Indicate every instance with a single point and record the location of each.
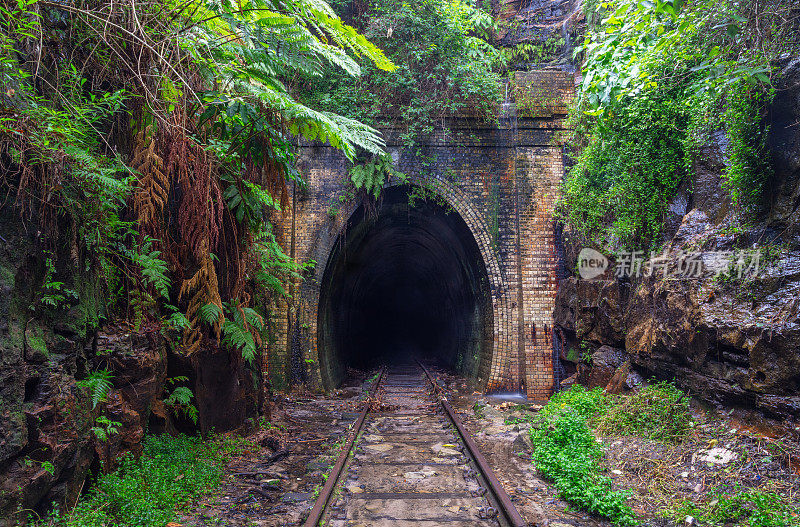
(751, 507)
(657, 411)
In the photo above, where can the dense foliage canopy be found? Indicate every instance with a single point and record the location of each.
(446, 67)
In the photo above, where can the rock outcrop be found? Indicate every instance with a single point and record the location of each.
(47, 446)
(732, 341)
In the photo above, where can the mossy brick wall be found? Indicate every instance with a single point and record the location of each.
(503, 181)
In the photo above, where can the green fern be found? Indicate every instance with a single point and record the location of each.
(154, 269)
(275, 40)
(242, 330)
(371, 177)
(105, 428)
(175, 319)
(235, 336)
(180, 400)
(275, 267)
(54, 294)
(210, 313)
(99, 385)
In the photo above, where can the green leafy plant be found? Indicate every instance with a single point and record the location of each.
(659, 78)
(104, 428)
(657, 411)
(179, 401)
(148, 490)
(446, 66)
(53, 292)
(372, 176)
(242, 330)
(175, 319)
(748, 166)
(740, 506)
(154, 270)
(248, 201)
(98, 384)
(565, 452)
(47, 466)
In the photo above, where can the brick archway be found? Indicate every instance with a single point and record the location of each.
(495, 370)
(502, 180)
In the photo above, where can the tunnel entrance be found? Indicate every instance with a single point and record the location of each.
(402, 282)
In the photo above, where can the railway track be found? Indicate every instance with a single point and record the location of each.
(409, 461)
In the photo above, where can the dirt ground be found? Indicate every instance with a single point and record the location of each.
(275, 472)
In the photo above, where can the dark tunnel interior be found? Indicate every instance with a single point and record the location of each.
(403, 282)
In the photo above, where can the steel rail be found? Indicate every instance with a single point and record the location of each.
(500, 497)
(327, 489)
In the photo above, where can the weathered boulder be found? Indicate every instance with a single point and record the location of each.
(784, 143)
(44, 447)
(592, 309)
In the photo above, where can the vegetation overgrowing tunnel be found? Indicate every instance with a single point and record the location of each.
(405, 280)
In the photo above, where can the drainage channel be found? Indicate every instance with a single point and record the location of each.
(410, 461)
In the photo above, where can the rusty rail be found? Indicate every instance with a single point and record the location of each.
(503, 501)
(325, 493)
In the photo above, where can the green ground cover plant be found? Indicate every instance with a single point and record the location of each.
(739, 506)
(149, 490)
(657, 411)
(566, 452)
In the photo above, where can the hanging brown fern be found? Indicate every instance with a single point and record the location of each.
(153, 187)
(203, 290)
(200, 212)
